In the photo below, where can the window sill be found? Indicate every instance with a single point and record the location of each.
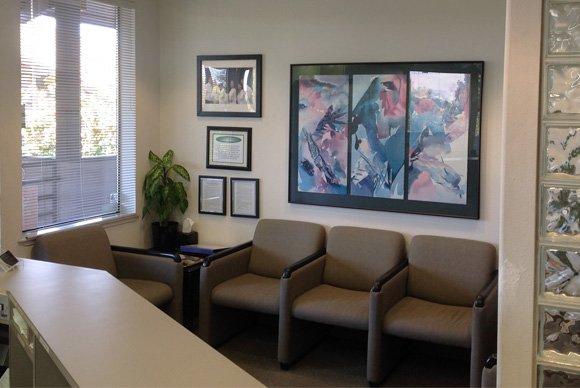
(118, 219)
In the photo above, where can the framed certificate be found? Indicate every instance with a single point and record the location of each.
(212, 195)
(245, 197)
(229, 148)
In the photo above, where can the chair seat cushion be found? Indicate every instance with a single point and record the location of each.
(157, 293)
(335, 306)
(432, 322)
(249, 292)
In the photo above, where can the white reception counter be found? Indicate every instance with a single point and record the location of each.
(98, 332)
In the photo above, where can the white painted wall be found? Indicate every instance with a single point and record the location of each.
(306, 31)
(516, 326)
(147, 72)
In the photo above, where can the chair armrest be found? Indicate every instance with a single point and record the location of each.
(484, 294)
(226, 252)
(302, 279)
(299, 264)
(140, 251)
(380, 282)
(149, 267)
(227, 267)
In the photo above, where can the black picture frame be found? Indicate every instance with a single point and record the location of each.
(247, 150)
(256, 199)
(257, 112)
(223, 194)
(468, 210)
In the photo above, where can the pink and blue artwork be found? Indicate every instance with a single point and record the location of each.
(438, 136)
(378, 135)
(323, 137)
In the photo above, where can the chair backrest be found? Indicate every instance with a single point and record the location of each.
(280, 243)
(86, 246)
(449, 270)
(356, 257)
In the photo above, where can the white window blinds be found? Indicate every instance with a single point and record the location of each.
(78, 111)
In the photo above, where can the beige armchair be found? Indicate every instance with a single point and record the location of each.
(447, 294)
(246, 278)
(156, 277)
(335, 288)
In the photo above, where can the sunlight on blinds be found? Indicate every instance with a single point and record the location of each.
(78, 111)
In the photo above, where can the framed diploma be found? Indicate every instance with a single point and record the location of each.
(245, 197)
(212, 195)
(229, 148)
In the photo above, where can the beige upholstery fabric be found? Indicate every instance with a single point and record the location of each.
(86, 246)
(279, 243)
(157, 293)
(335, 306)
(356, 257)
(449, 270)
(249, 292)
(426, 321)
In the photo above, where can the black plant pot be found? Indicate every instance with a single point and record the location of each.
(165, 237)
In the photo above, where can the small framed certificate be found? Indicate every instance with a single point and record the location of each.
(229, 148)
(212, 195)
(245, 197)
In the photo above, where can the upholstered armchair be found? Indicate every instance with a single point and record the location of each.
(446, 294)
(156, 277)
(246, 278)
(333, 289)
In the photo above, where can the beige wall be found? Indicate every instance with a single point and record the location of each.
(516, 326)
(147, 72)
(305, 31)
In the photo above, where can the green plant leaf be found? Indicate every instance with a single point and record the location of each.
(168, 158)
(154, 158)
(183, 205)
(181, 171)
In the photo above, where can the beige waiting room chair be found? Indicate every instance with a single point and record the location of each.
(335, 288)
(247, 277)
(446, 295)
(157, 278)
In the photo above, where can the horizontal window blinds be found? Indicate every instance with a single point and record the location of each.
(78, 111)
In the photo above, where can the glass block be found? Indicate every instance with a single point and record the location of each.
(556, 378)
(563, 89)
(561, 211)
(563, 150)
(564, 28)
(561, 332)
(562, 272)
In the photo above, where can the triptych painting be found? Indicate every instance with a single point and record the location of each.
(387, 136)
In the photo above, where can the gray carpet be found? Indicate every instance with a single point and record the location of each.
(340, 361)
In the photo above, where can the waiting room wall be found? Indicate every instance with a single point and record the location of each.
(307, 31)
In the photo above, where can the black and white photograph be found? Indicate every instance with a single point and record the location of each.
(229, 85)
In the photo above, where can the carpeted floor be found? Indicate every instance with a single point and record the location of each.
(340, 362)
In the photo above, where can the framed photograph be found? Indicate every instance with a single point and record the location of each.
(401, 137)
(212, 195)
(229, 148)
(229, 85)
(245, 197)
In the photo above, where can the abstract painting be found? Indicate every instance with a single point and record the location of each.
(563, 150)
(323, 138)
(562, 211)
(401, 137)
(439, 120)
(562, 272)
(378, 135)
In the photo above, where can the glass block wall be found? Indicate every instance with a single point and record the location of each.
(558, 285)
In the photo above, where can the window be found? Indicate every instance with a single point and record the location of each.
(78, 111)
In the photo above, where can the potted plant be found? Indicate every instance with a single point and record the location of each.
(164, 192)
